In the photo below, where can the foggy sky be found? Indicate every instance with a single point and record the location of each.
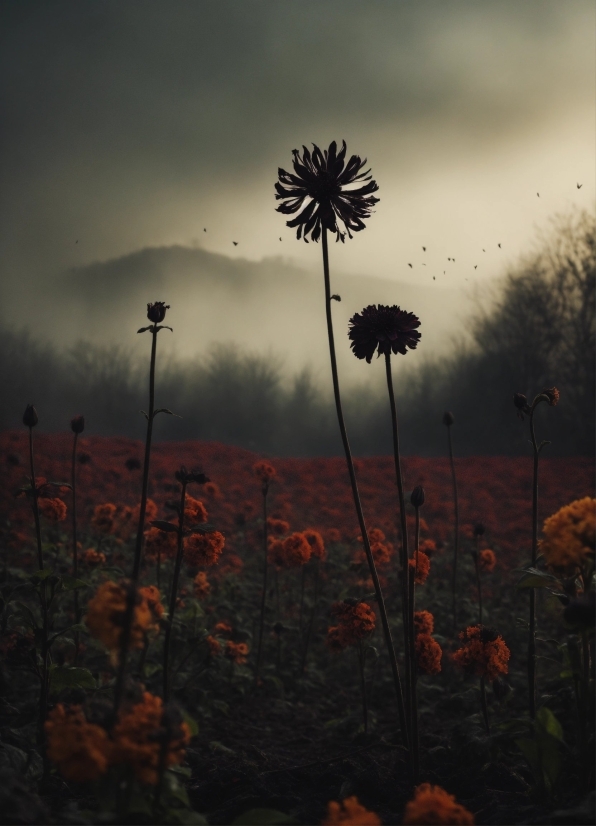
(128, 124)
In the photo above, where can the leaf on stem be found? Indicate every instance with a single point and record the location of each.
(162, 525)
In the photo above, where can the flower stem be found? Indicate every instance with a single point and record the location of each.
(413, 663)
(356, 496)
(456, 536)
(75, 554)
(532, 630)
(311, 621)
(264, 593)
(478, 582)
(361, 662)
(173, 594)
(484, 704)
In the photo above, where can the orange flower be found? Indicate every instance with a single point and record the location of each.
(315, 540)
(355, 620)
(349, 813)
(103, 517)
(236, 651)
(212, 490)
(232, 564)
(484, 652)
(275, 552)
(160, 543)
(53, 509)
(422, 569)
(487, 560)
(336, 638)
(194, 510)
(201, 585)
(92, 557)
(264, 471)
(105, 615)
(213, 646)
(277, 527)
(80, 749)
(153, 597)
(424, 622)
(428, 654)
(296, 550)
(139, 734)
(569, 536)
(223, 628)
(428, 546)
(204, 548)
(432, 804)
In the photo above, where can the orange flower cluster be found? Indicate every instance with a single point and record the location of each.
(424, 622)
(232, 564)
(212, 490)
(316, 542)
(381, 550)
(349, 812)
(151, 594)
(80, 749)
(201, 585)
(53, 509)
(138, 738)
(105, 615)
(487, 560)
(213, 646)
(296, 550)
(428, 654)
(236, 651)
(103, 517)
(160, 543)
(264, 471)
(356, 621)
(277, 527)
(427, 546)
(204, 549)
(194, 510)
(92, 557)
(223, 628)
(432, 804)
(484, 652)
(569, 536)
(422, 569)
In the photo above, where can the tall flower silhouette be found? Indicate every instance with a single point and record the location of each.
(327, 192)
(383, 329)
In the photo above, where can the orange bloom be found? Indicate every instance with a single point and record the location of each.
(422, 569)
(138, 737)
(264, 471)
(484, 652)
(194, 510)
(232, 564)
(428, 546)
(296, 550)
(487, 560)
(201, 585)
(204, 548)
(53, 509)
(355, 621)
(349, 813)
(103, 517)
(236, 651)
(153, 597)
(336, 638)
(277, 527)
(105, 615)
(315, 540)
(569, 536)
(275, 552)
(160, 543)
(432, 804)
(92, 557)
(223, 628)
(80, 749)
(428, 654)
(212, 490)
(213, 646)
(424, 622)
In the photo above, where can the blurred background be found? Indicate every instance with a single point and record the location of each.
(138, 153)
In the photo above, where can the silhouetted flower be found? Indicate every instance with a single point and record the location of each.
(383, 328)
(521, 405)
(156, 312)
(553, 395)
(77, 424)
(30, 416)
(317, 192)
(417, 497)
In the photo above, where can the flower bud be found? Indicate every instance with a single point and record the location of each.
(77, 424)
(520, 401)
(479, 529)
(448, 418)
(552, 394)
(157, 312)
(30, 416)
(417, 496)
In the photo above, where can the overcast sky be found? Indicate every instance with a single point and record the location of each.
(127, 124)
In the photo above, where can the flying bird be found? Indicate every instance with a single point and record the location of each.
(475, 266)
(579, 186)
(204, 230)
(424, 265)
(77, 241)
(538, 194)
(423, 249)
(410, 266)
(280, 239)
(434, 279)
(449, 259)
(483, 250)
(235, 243)
(499, 246)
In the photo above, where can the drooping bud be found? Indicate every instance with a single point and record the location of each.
(479, 529)
(156, 312)
(553, 395)
(30, 416)
(417, 496)
(77, 424)
(448, 418)
(520, 401)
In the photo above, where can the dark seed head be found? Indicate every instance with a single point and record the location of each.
(156, 312)
(30, 416)
(417, 496)
(479, 529)
(77, 424)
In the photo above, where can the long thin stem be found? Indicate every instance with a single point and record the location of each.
(75, 553)
(456, 536)
(413, 664)
(130, 603)
(532, 630)
(361, 663)
(404, 556)
(264, 593)
(478, 582)
(484, 704)
(311, 621)
(356, 496)
(173, 594)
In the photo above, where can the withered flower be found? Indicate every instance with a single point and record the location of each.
(521, 404)
(156, 312)
(553, 395)
(417, 497)
(384, 329)
(322, 191)
(77, 424)
(30, 416)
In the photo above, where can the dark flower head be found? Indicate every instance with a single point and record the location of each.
(448, 419)
(552, 394)
(479, 529)
(185, 476)
(322, 193)
(157, 312)
(387, 328)
(77, 424)
(30, 416)
(417, 496)
(521, 404)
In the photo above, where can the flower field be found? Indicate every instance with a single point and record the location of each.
(276, 704)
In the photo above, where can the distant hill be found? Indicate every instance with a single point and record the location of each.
(271, 305)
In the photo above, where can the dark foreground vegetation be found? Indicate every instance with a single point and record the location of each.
(539, 332)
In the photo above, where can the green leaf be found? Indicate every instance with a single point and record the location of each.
(39, 576)
(205, 528)
(162, 525)
(529, 749)
(533, 578)
(165, 410)
(215, 745)
(191, 723)
(62, 676)
(71, 583)
(263, 817)
(144, 329)
(28, 615)
(547, 721)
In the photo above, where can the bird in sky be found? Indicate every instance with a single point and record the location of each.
(449, 259)
(410, 266)
(434, 279)
(424, 265)
(538, 194)
(204, 230)
(579, 186)
(280, 239)
(77, 241)
(499, 246)
(235, 243)
(483, 250)
(423, 249)
(475, 266)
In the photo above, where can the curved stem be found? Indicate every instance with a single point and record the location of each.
(456, 537)
(532, 630)
(361, 663)
(356, 497)
(173, 594)
(264, 594)
(75, 553)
